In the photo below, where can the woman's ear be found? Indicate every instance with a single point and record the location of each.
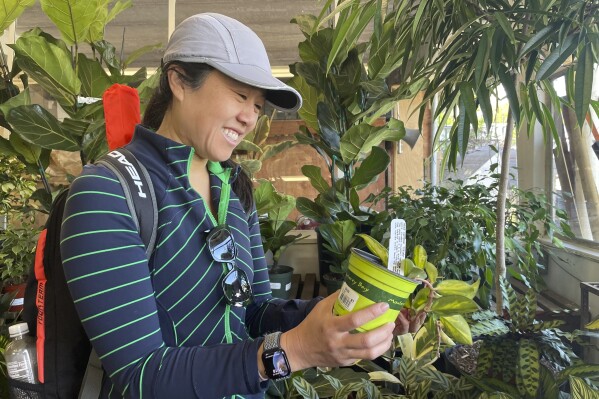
(176, 84)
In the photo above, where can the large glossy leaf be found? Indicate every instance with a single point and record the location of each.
(275, 149)
(453, 304)
(312, 210)
(467, 95)
(23, 98)
(338, 235)
(505, 25)
(327, 126)
(310, 97)
(304, 388)
(458, 287)
(583, 83)
(73, 18)
(50, 66)
(94, 141)
(360, 139)
(457, 328)
(30, 152)
(375, 163)
(314, 174)
(38, 126)
(94, 81)
(10, 11)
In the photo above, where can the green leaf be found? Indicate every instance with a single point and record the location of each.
(594, 325)
(94, 143)
(416, 22)
(557, 57)
(73, 18)
(116, 10)
(29, 151)
(581, 390)
(23, 98)
(10, 11)
(457, 328)
(339, 235)
(359, 139)
(50, 66)
(314, 174)
(329, 132)
(420, 256)
(539, 38)
(481, 62)
(431, 272)
(457, 287)
(376, 248)
(505, 25)
(528, 367)
(348, 32)
(312, 210)
(375, 163)
(507, 80)
(38, 126)
(248, 146)
(484, 100)
(304, 388)
(94, 81)
(453, 304)
(310, 98)
(583, 83)
(467, 94)
(275, 149)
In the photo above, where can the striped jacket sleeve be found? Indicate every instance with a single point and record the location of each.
(108, 276)
(271, 314)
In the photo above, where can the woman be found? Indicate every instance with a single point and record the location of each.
(197, 318)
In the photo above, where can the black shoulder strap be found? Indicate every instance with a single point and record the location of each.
(139, 192)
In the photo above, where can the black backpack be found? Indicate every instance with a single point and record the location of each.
(62, 345)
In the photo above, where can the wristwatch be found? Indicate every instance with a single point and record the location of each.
(274, 358)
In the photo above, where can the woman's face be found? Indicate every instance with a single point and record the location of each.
(214, 118)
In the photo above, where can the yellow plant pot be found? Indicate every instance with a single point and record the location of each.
(368, 282)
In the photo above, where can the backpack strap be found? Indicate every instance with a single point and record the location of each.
(141, 199)
(139, 192)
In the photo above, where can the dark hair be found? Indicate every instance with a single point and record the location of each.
(193, 75)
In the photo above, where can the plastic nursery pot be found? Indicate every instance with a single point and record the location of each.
(280, 281)
(368, 282)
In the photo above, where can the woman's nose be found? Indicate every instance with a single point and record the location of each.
(248, 115)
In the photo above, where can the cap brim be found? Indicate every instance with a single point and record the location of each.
(278, 94)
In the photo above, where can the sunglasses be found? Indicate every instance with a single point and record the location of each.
(236, 287)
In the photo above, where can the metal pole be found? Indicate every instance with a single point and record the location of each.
(171, 17)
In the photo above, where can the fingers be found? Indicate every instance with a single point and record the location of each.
(353, 320)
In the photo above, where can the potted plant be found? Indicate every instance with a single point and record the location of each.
(273, 209)
(525, 358)
(346, 102)
(254, 150)
(457, 221)
(74, 80)
(19, 231)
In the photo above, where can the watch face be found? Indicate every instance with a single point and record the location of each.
(275, 364)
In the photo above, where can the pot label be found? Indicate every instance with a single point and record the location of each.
(275, 286)
(397, 245)
(288, 287)
(347, 297)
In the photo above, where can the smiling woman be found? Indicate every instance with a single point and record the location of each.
(198, 309)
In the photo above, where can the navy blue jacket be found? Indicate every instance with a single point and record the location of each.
(162, 327)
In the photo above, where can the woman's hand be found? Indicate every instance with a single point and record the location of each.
(324, 339)
(405, 323)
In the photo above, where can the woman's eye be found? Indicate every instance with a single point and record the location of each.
(258, 107)
(242, 96)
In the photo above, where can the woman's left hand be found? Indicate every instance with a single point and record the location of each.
(405, 323)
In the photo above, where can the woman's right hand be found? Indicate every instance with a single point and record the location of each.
(324, 339)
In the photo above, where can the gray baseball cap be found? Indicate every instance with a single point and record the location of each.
(232, 48)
